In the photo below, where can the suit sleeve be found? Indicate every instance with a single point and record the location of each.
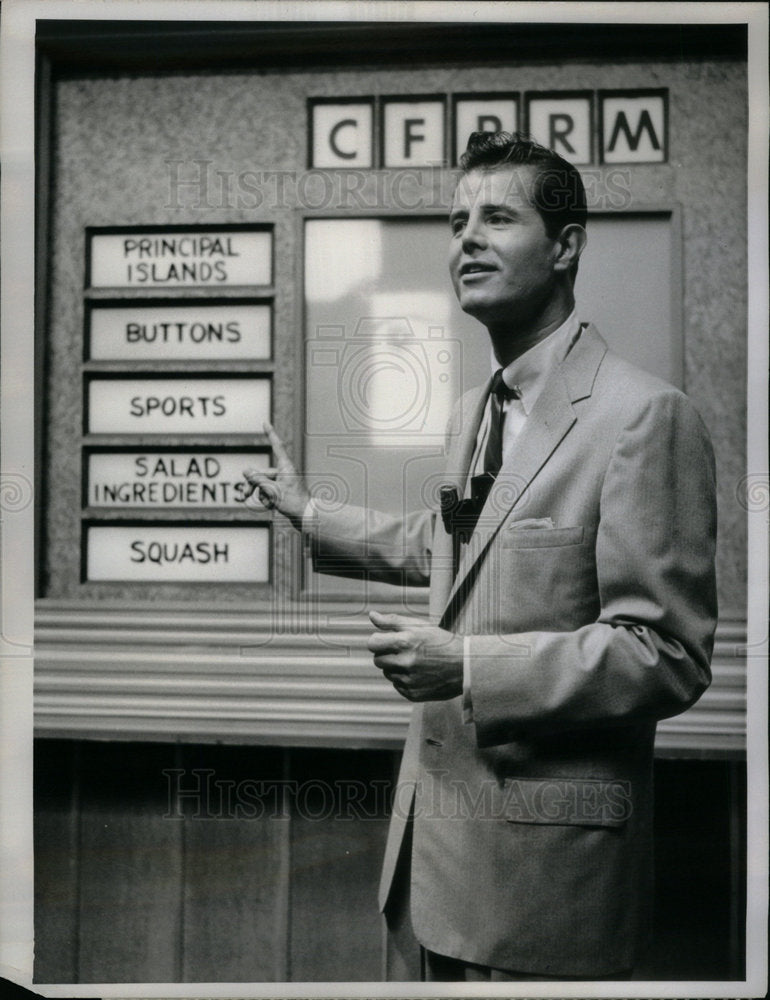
(647, 656)
(360, 543)
(369, 544)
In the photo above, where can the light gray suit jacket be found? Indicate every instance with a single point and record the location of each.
(588, 592)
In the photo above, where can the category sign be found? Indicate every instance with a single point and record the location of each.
(633, 126)
(563, 122)
(476, 113)
(150, 479)
(186, 331)
(178, 405)
(413, 132)
(177, 554)
(342, 133)
(178, 259)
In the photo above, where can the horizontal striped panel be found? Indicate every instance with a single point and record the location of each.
(231, 675)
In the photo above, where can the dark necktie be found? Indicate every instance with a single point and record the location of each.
(460, 516)
(498, 393)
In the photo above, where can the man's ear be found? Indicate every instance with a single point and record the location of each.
(569, 246)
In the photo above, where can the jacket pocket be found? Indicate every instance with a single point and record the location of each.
(567, 801)
(537, 538)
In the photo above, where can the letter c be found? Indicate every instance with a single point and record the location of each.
(345, 123)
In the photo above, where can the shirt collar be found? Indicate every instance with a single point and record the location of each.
(530, 371)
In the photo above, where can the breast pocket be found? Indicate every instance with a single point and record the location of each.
(516, 537)
(549, 577)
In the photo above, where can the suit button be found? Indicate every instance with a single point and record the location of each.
(433, 743)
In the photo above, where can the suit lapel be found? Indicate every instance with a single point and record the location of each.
(547, 425)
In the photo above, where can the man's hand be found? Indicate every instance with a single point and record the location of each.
(422, 662)
(282, 487)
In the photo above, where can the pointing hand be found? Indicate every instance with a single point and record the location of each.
(281, 487)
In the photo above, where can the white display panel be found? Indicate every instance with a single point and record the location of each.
(413, 133)
(171, 554)
(483, 115)
(178, 406)
(563, 124)
(183, 332)
(633, 128)
(168, 479)
(176, 259)
(342, 134)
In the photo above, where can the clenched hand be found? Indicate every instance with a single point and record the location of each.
(422, 662)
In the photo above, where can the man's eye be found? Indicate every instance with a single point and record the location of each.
(499, 218)
(457, 226)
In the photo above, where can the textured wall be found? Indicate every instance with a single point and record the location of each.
(115, 136)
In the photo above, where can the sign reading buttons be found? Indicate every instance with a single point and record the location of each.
(198, 331)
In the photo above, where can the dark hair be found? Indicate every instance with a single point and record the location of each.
(557, 188)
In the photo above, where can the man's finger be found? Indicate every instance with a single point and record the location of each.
(395, 675)
(255, 478)
(382, 622)
(385, 642)
(269, 493)
(277, 445)
(251, 473)
(394, 622)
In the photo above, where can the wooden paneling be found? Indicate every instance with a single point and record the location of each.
(162, 863)
(130, 868)
(56, 859)
(339, 825)
(168, 887)
(193, 675)
(235, 865)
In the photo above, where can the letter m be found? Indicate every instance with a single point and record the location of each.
(633, 138)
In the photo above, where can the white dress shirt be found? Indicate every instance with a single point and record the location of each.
(528, 373)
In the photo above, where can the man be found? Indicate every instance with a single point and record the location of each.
(572, 606)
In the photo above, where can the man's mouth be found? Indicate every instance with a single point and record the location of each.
(475, 267)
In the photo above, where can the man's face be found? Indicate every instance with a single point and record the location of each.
(500, 257)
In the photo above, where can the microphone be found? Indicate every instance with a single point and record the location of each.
(449, 499)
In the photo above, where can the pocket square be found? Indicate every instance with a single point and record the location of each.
(532, 522)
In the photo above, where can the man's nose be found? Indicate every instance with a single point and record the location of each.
(473, 234)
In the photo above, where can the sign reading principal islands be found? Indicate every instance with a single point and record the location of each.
(178, 405)
(177, 554)
(151, 479)
(179, 258)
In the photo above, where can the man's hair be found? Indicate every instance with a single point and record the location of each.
(557, 188)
